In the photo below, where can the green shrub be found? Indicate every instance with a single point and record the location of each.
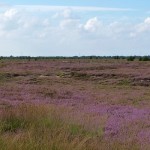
(144, 58)
(131, 58)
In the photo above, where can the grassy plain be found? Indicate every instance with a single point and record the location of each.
(68, 104)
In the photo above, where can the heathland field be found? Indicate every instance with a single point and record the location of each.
(74, 104)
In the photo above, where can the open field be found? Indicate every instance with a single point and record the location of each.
(85, 104)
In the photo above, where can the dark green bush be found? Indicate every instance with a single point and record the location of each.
(131, 58)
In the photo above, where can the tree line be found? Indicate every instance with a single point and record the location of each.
(129, 58)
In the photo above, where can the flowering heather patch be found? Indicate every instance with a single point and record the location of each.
(95, 103)
(47, 127)
(119, 117)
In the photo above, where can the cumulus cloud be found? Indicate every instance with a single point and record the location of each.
(8, 21)
(66, 13)
(61, 29)
(17, 23)
(92, 24)
(147, 20)
(145, 26)
(11, 13)
(141, 28)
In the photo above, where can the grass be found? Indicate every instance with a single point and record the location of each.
(92, 95)
(7, 77)
(125, 82)
(3, 77)
(41, 127)
(79, 75)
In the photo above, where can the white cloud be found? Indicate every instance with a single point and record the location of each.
(9, 20)
(65, 33)
(118, 29)
(69, 24)
(141, 28)
(74, 8)
(144, 27)
(67, 13)
(46, 22)
(11, 13)
(27, 23)
(92, 24)
(147, 20)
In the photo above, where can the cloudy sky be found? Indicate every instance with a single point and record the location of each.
(74, 27)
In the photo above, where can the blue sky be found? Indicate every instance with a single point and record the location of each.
(74, 27)
(101, 3)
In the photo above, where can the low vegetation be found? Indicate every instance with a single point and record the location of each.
(74, 104)
(44, 127)
(29, 58)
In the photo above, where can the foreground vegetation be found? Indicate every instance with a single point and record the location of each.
(41, 127)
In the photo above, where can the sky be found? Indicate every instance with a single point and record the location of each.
(74, 27)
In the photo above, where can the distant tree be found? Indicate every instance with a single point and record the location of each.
(116, 57)
(146, 58)
(140, 59)
(35, 58)
(11, 56)
(131, 58)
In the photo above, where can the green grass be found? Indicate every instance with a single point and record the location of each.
(41, 127)
(125, 82)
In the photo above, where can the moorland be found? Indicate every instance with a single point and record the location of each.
(74, 104)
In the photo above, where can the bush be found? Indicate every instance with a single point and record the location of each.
(131, 58)
(144, 58)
